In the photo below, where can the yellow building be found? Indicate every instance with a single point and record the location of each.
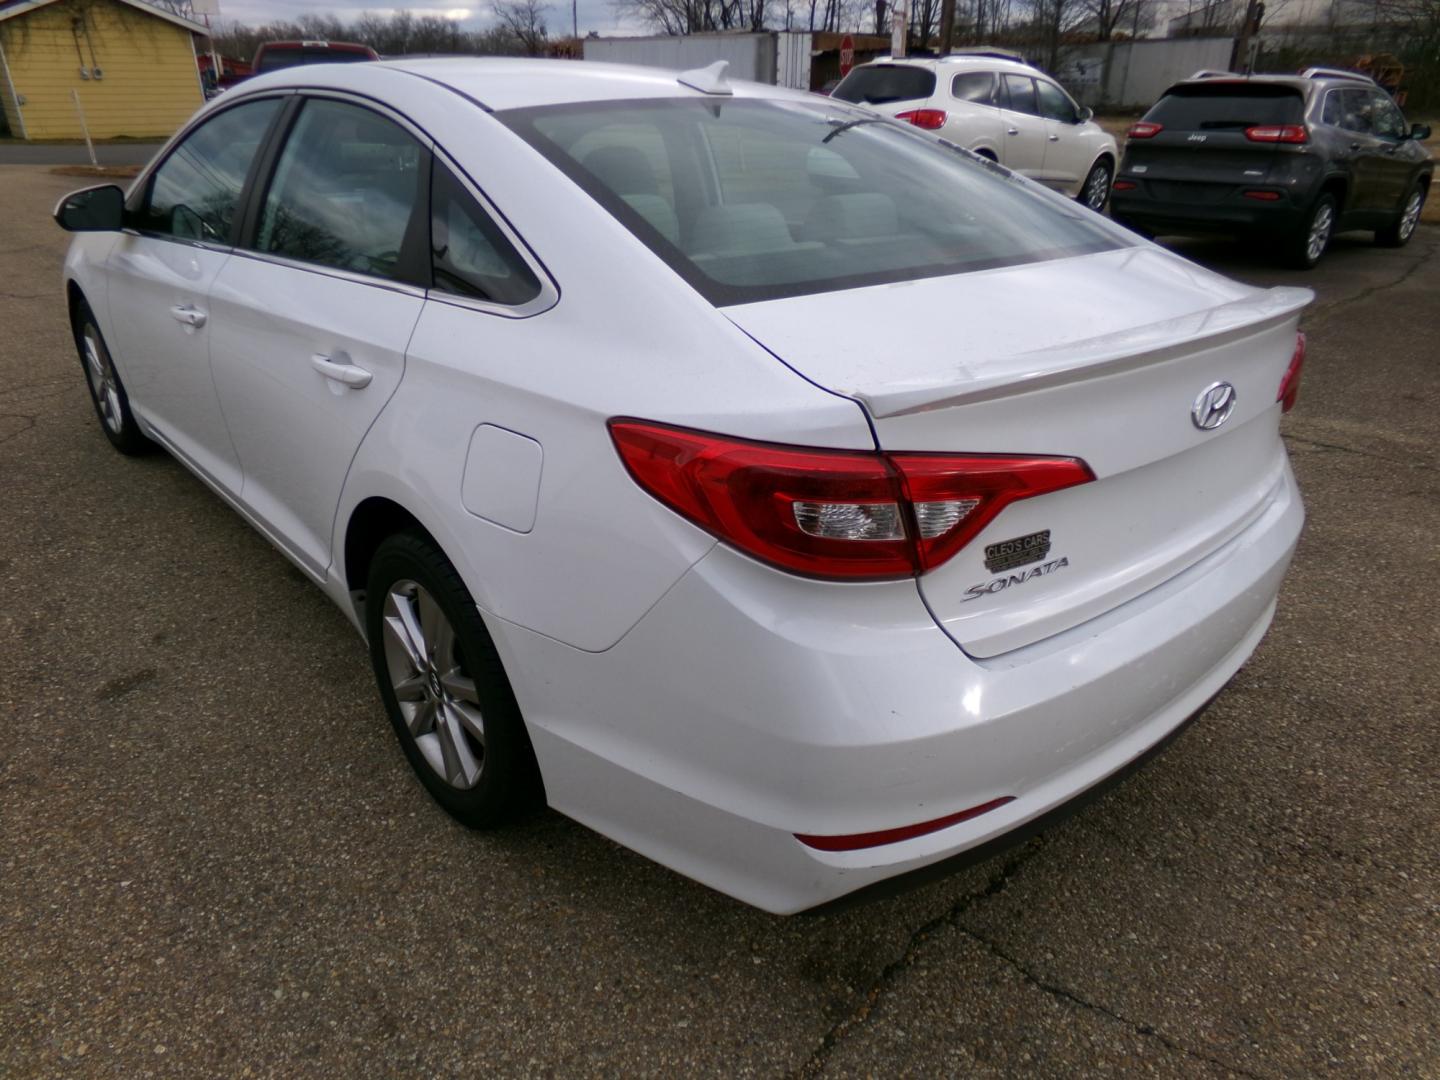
(131, 65)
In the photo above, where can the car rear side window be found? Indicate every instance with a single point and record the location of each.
(345, 192)
(469, 254)
(1224, 106)
(1020, 92)
(876, 84)
(974, 86)
(194, 192)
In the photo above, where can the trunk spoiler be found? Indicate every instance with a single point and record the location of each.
(1107, 354)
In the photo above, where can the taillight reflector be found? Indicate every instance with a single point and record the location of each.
(1263, 196)
(1122, 185)
(839, 514)
(1290, 384)
(1145, 130)
(929, 119)
(1277, 133)
(857, 841)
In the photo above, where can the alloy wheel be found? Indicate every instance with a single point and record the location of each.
(437, 697)
(100, 373)
(1319, 236)
(1411, 216)
(1097, 189)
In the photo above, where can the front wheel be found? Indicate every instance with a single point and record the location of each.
(444, 686)
(1095, 192)
(1399, 232)
(107, 392)
(1308, 243)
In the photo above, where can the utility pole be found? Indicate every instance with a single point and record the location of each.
(899, 28)
(1240, 55)
(947, 26)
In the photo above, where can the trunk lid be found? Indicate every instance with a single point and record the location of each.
(1099, 357)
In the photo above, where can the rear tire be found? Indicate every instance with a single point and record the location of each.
(1398, 233)
(1306, 245)
(444, 686)
(1095, 192)
(107, 391)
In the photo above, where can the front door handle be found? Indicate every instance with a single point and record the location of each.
(190, 316)
(1012, 131)
(357, 378)
(1054, 138)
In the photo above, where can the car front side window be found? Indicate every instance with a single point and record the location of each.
(1389, 123)
(1055, 104)
(194, 193)
(346, 192)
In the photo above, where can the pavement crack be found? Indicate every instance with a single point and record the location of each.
(1324, 311)
(998, 882)
(1320, 445)
(1072, 998)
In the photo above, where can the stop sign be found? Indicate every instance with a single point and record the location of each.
(847, 55)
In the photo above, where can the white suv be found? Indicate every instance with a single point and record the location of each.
(1001, 109)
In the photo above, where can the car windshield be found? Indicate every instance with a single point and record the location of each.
(275, 59)
(1221, 106)
(755, 199)
(875, 84)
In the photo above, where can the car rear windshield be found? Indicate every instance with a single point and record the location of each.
(755, 199)
(1218, 106)
(875, 84)
(275, 59)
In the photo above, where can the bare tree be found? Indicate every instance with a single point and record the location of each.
(524, 20)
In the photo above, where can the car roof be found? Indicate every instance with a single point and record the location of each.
(499, 83)
(1304, 83)
(957, 62)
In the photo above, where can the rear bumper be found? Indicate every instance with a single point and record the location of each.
(1233, 214)
(749, 706)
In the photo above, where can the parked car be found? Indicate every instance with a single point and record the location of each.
(274, 55)
(1292, 158)
(614, 410)
(999, 108)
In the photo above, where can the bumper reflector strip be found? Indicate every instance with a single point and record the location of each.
(857, 841)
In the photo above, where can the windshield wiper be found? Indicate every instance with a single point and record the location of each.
(845, 125)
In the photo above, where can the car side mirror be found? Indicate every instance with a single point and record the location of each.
(96, 209)
(1419, 132)
(1086, 114)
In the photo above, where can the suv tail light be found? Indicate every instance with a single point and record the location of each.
(1290, 384)
(850, 515)
(929, 119)
(1145, 130)
(1278, 133)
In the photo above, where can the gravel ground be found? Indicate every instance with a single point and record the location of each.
(214, 861)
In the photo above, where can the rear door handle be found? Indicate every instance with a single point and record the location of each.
(1012, 131)
(357, 378)
(190, 316)
(1054, 138)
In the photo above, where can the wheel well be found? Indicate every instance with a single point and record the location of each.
(74, 297)
(1336, 186)
(370, 523)
(986, 152)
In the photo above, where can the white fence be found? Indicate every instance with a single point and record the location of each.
(1133, 74)
(767, 57)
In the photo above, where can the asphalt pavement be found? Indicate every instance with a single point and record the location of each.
(110, 153)
(214, 860)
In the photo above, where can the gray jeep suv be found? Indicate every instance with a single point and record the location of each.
(1295, 158)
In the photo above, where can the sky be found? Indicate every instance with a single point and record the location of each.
(598, 15)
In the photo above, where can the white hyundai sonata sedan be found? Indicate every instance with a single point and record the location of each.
(794, 498)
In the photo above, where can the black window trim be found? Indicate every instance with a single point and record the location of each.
(139, 193)
(544, 300)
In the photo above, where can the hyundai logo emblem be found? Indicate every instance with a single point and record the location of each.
(1213, 406)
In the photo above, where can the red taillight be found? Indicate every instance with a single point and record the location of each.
(1123, 185)
(1263, 196)
(1145, 130)
(1282, 133)
(856, 841)
(1290, 384)
(841, 514)
(929, 119)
